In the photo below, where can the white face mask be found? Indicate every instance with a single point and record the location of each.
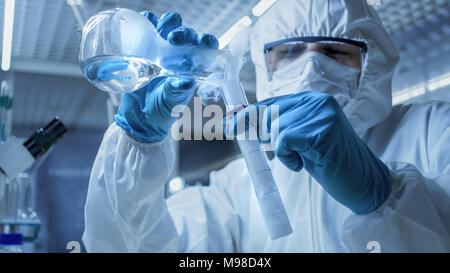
(314, 71)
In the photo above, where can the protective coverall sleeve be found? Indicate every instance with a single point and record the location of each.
(414, 218)
(416, 215)
(126, 210)
(125, 187)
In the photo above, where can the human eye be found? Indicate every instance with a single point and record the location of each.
(334, 51)
(294, 51)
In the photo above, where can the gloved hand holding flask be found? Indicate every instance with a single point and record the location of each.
(152, 62)
(146, 113)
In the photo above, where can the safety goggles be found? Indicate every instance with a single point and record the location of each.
(280, 53)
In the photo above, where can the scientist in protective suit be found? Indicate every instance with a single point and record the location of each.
(351, 169)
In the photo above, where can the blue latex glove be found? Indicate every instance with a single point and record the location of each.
(315, 134)
(146, 113)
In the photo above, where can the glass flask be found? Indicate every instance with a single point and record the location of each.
(121, 51)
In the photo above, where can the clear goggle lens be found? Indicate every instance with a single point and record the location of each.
(281, 54)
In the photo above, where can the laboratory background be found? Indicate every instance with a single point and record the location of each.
(41, 79)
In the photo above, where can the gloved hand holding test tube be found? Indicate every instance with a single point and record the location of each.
(121, 52)
(269, 199)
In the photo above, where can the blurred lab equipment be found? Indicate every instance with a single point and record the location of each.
(18, 162)
(5, 111)
(11, 243)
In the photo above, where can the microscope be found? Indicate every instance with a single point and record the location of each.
(19, 222)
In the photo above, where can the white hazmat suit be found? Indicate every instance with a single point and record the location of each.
(126, 210)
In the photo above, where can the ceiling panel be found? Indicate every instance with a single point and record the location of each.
(45, 30)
